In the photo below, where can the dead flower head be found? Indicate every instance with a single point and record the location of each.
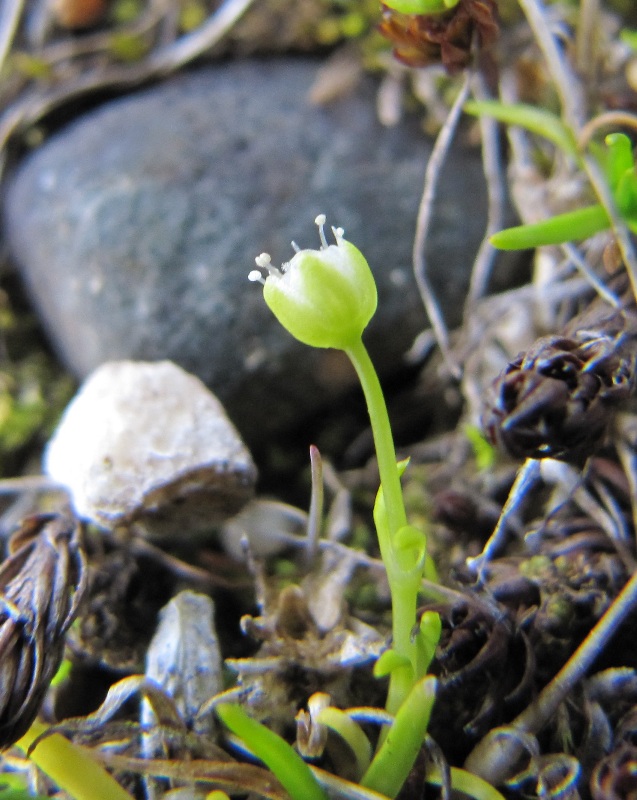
(447, 38)
(41, 585)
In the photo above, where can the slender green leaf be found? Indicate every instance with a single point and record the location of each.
(389, 661)
(617, 159)
(569, 227)
(393, 762)
(282, 760)
(536, 120)
(351, 732)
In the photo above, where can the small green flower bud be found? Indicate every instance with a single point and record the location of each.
(324, 298)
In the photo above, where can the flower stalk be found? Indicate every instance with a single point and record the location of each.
(326, 298)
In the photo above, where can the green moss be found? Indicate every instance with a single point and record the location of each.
(34, 389)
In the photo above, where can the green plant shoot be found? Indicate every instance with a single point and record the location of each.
(617, 161)
(421, 6)
(393, 762)
(282, 760)
(326, 298)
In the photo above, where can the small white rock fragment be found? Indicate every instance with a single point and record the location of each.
(184, 659)
(267, 525)
(147, 442)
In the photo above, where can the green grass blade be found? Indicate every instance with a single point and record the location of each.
(536, 120)
(570, 227)
(280, 758)
(351, 732)
(467, 783)
(393, 762)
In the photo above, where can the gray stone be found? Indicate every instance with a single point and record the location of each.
(149, 444)
(135, 227)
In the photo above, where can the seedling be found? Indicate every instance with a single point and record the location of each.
(326, 298)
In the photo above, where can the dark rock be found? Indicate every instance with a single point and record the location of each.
(136, 226)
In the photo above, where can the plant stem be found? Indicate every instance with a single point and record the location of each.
(403, 586)
(383, 438)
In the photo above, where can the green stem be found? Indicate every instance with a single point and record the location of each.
(403, 587)
(404, 594)
(383, 439)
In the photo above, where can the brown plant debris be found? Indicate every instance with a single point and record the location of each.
(42, 583)
(558, 398)
(424, 39)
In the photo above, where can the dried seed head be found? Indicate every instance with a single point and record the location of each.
(557, 400)
(41, 585)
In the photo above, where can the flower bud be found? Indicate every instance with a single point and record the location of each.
(325, 297)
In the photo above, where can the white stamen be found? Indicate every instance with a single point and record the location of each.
(320, 221)
(265, 262)
(256, 276)
(338, 233)
(295, 247)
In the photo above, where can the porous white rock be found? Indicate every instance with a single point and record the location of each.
(147, 442)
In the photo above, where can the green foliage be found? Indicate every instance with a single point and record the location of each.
(421, 6)
(616, 159)
(484, 452)
(352, 733)
(12, 787)
(32, 395)
(629, 36)
(62, 674)
(536, 120)
(346, 20)
(395, 758)
(283, 761)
